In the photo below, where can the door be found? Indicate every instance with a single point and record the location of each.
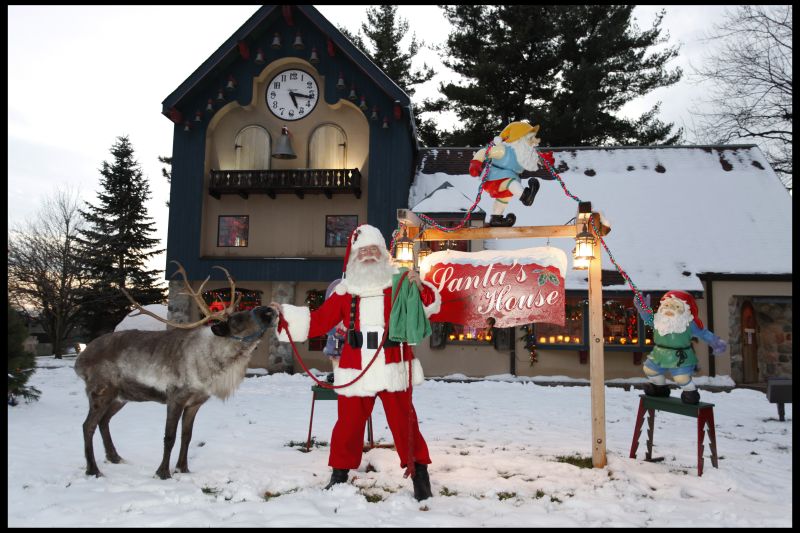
(749, 344)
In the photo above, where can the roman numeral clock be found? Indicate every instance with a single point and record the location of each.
(292, 94)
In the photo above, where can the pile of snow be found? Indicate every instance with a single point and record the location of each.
(144, 322)
(499, 449)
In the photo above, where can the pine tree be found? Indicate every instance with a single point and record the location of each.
(117, 244)
(166, 171)
(383, 32)
(21, 364)
(569, 68)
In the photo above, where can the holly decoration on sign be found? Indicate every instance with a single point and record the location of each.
(546, 276)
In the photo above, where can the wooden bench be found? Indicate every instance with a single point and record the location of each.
(703, 412)
(322, 393)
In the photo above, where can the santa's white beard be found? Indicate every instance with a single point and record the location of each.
(366, 277)
(526, 155)
(671, 324)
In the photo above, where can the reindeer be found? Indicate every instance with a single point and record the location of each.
(179, 367)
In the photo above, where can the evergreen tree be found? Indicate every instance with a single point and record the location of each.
(569, 68)
(117, 244)
(166, 171)
(383, 32)
(21, 364)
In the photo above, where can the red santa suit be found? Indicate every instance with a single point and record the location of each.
(367, 311)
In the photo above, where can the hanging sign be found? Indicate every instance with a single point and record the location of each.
(513, 287)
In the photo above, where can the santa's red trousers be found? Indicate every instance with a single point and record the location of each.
(347, 441)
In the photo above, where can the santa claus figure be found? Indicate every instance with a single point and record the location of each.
(512, 153)
(362, 301)
(674, 325)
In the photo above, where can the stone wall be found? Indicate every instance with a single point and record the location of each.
(280, 357)
(774, 336)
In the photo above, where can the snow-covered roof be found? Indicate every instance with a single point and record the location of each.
(674, 212)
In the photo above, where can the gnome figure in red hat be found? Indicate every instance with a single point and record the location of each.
(363, 302)
(674, 325)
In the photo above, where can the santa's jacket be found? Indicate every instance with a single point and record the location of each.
(389, 372)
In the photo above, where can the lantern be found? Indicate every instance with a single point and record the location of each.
(404, 250)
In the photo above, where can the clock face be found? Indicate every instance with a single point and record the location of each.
(292, 94)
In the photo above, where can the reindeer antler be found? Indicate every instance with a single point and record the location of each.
(197, 297)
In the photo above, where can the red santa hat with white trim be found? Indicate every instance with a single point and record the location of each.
(689, 301)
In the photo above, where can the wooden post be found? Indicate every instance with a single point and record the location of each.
(596, 359)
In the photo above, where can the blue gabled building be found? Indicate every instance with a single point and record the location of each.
(285, 139)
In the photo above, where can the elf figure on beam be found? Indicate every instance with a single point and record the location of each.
(511, 154)
(674, 325)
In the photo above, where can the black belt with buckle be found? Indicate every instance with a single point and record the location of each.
(356, 340)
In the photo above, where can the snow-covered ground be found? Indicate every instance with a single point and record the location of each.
(495, 447)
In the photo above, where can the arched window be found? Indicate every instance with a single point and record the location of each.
(253, 149)
(327, 147)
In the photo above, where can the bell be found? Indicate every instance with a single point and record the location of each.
(363, 104)
(385, 123)
(259, 60)
(298, 42)
(314, 59)
(353, 96)
(220, 96)
(340, 84)
(198, 117)
(187, 126)
(276, 41)
(374, 115)
(210, 106)
(283, 148)
(231, 85)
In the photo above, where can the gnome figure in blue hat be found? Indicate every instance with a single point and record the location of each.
(674, 325)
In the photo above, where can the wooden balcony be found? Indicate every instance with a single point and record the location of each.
(299, 182)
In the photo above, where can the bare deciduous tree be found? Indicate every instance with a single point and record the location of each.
(750, 76)
(43, 270)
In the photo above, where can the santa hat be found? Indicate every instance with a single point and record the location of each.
(516, 131)
(363, 235)
(689, 301)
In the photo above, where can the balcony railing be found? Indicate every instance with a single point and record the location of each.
(325, 181)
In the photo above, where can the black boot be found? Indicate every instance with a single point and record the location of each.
(690, 396)
(499, 221)
(422, 483)
(651, 389)
(530, 192)
(339, 475)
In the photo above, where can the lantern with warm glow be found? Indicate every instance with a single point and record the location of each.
(584, 246)
(404, 250)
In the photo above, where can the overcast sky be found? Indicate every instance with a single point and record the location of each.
(79, 76)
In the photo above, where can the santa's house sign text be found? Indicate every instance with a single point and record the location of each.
(513, 287)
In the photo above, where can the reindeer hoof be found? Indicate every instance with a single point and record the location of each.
(116, 459)
(163, 474)
(95, 473)
(183, 469)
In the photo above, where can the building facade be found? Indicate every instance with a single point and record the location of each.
(288, 83)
